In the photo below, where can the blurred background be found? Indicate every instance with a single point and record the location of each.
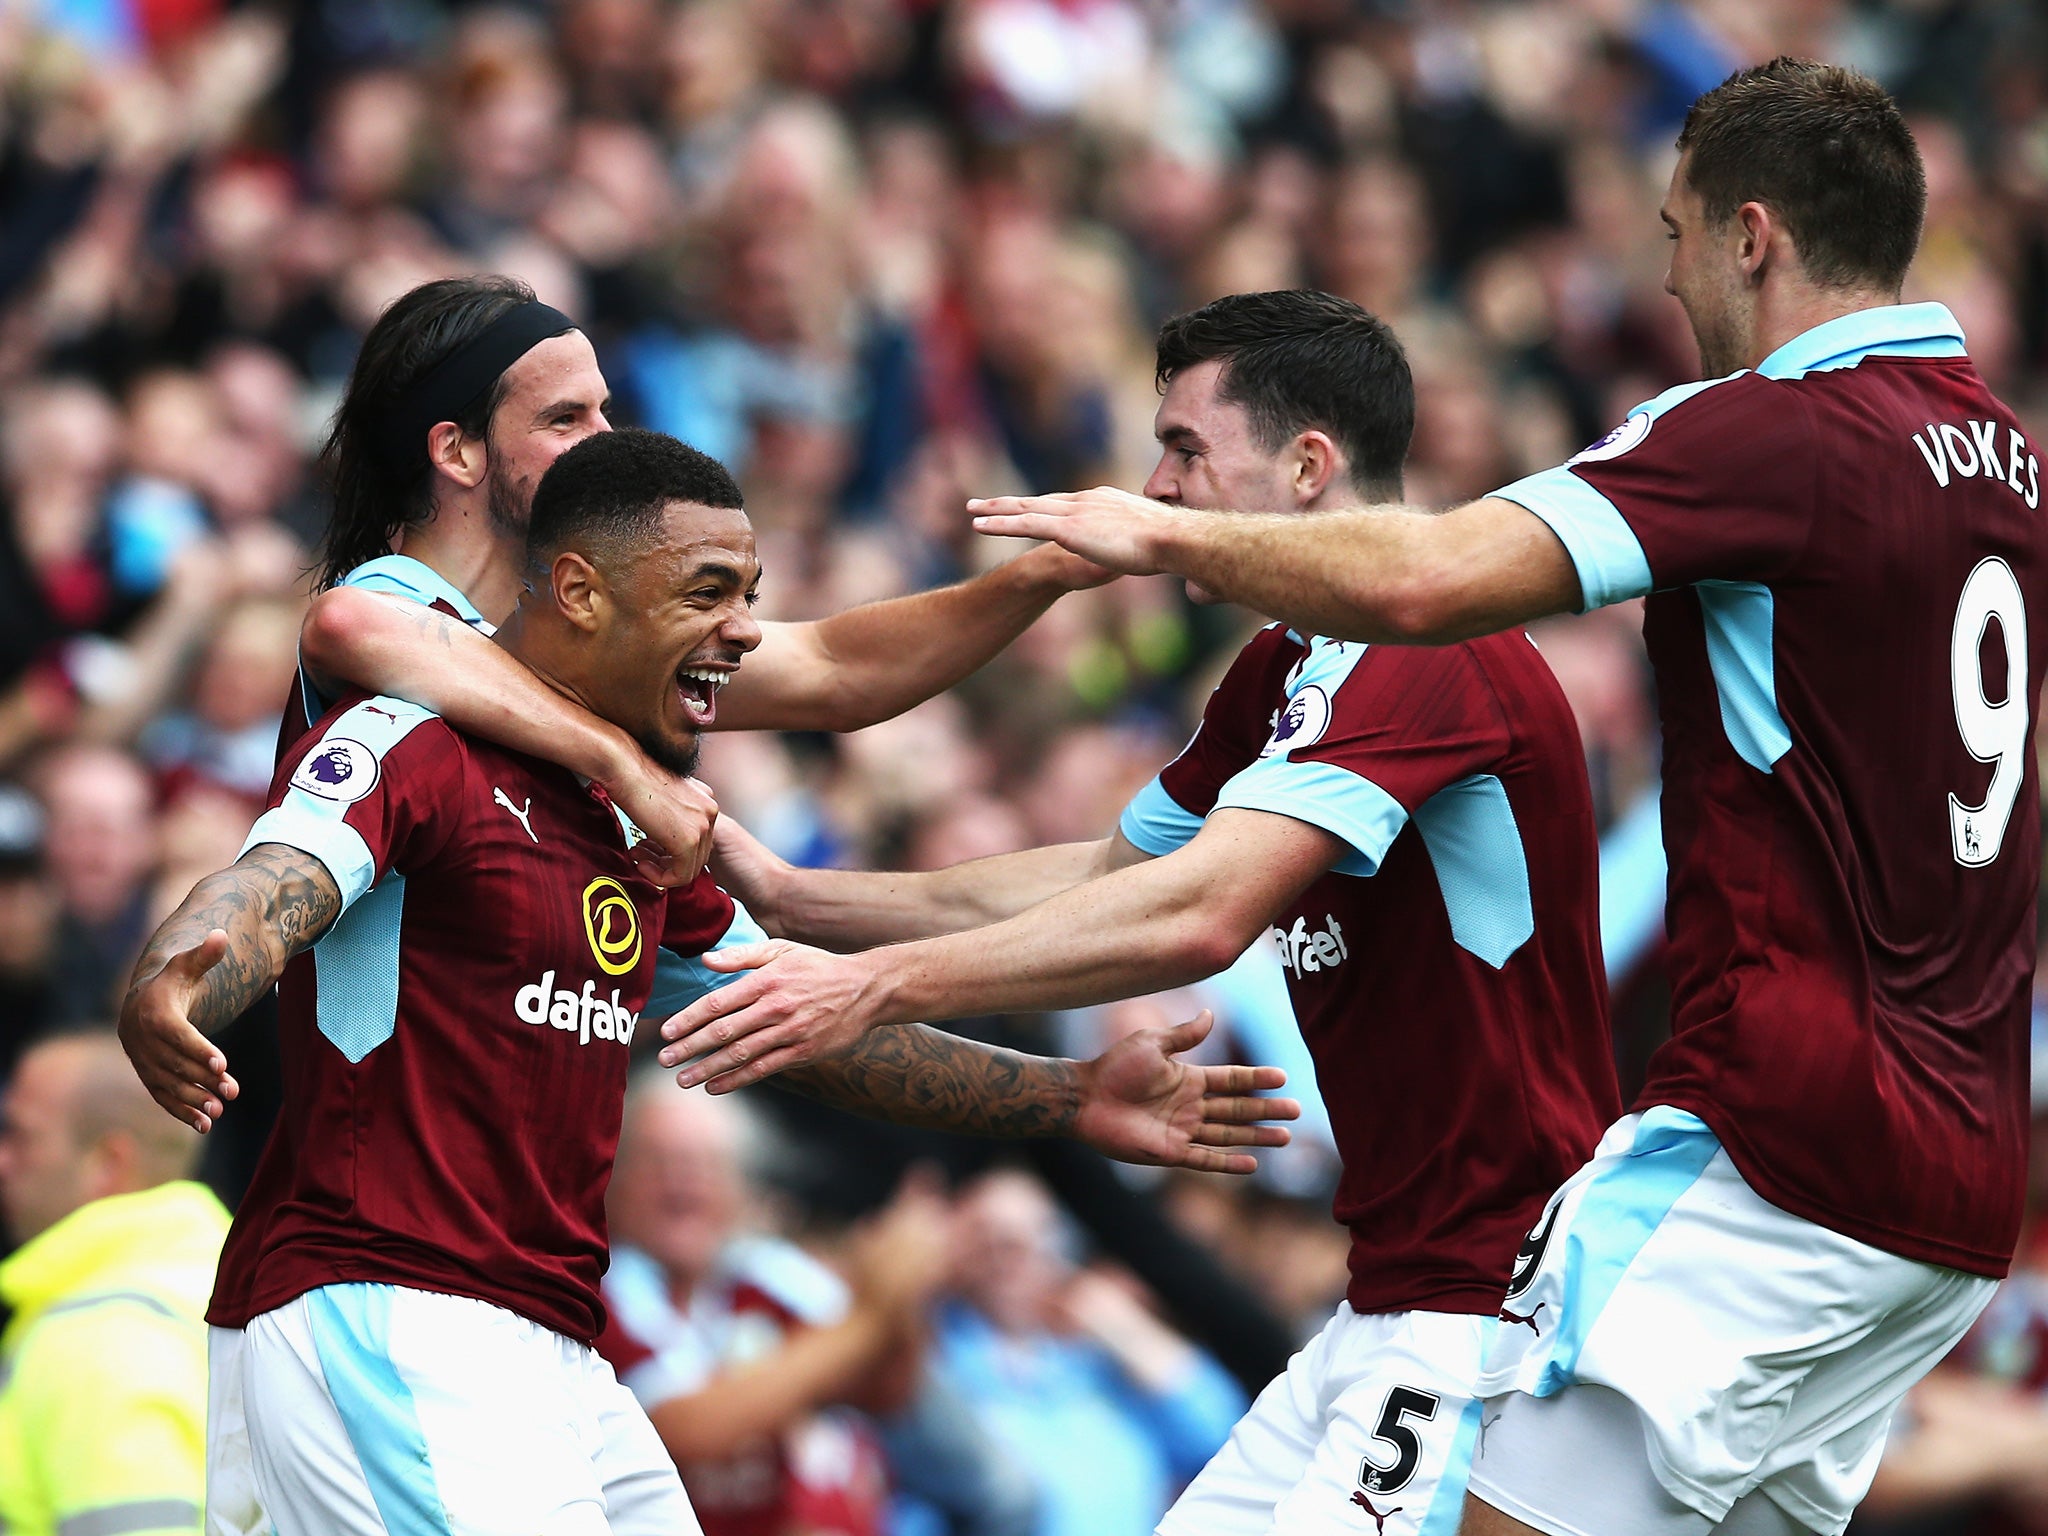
(880, 255)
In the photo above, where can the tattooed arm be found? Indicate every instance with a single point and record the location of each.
(410, 651)
(1134, 1102)
(221, 950)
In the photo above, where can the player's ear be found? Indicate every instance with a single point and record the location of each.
(454, 453)
(1755, 229)
(1316, 463)
(579, 590)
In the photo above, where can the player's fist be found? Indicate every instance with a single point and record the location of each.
(1140, 1104)
(183, 1070)
(676, 812)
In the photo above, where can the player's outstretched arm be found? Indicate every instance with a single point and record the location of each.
(388, 645)
(845, 909)
(873, 662)
(222, 949)
(1136, 1101)
(1393, 575)
(1158, 924)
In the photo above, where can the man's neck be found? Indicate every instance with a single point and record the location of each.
(540, 648)
(461, 545)
(1796, 308)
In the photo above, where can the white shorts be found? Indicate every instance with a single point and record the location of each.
(1374, 1417)
(1763, 1354)
(376, 1410)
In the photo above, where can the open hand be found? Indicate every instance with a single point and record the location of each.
(183, 1070)
(1141, 1105)
(1111, 528)
(797, 1006)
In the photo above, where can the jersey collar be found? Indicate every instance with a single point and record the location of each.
(1889, 330)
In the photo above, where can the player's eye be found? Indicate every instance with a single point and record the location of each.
(753, 597)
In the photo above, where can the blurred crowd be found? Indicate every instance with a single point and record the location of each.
(880, 255)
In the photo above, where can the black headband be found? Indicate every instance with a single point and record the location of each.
(454, 383)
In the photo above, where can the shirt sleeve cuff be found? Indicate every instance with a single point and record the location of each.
(329, 839)
(1604, 549)
(1323, 795)
(1156, 823)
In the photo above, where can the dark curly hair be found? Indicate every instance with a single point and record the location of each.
(606, 494)
(375, 494)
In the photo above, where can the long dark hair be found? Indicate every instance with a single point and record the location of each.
(377, 492)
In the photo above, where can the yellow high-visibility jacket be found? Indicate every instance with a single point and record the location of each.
(103, 1368)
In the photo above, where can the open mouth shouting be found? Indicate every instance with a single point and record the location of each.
(697, 686)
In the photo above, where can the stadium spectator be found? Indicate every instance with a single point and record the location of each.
(100, 844)
(1109, 1409)
(103, 1366)
(746, 1352)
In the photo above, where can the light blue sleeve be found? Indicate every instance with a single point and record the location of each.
(336, 771)
(1604, 549)
(416, 581)
(679, 980)
(1326, 796)
(1156, 823)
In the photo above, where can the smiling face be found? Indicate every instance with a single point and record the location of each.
(676, 620)
(555, 396)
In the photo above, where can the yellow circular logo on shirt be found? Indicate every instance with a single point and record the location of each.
(612, 925)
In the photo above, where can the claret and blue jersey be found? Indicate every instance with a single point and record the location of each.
(1846, 565)
(456, 1045)
(1446, 973)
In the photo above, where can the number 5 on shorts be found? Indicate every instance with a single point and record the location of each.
(1403, 1403)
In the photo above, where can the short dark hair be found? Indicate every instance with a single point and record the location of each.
(606, 495)
(376, 493)
(1297, 359)
(1826, 150)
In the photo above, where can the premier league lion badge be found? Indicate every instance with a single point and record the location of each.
(338, 769)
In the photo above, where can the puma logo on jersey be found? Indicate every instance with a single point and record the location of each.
(1303, 952)
(1954, 452)
(1529, 1321)
(585, 1014)
(523, 814)
(1379, 1517)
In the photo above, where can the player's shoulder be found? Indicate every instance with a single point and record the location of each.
(1744, 409)
(343, 756)
(415, 581)
(1263, 661)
